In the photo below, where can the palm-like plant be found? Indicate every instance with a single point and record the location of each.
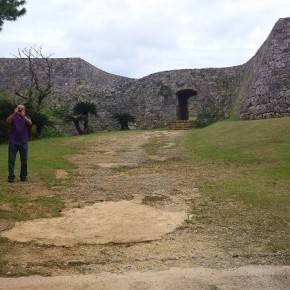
(76, 120)
(6, 107)
(80, 113)
(40, 120)
(124, 119)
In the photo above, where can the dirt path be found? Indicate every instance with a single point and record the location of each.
(248, 278)
(129, 217)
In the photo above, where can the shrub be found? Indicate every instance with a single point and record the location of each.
(124, 119)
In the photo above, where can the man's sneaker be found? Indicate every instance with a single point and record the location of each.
(24, 179)
(10, 180)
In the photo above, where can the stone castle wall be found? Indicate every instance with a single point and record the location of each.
(257, 89)
(267, 79)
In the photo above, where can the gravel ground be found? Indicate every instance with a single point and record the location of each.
(115, 169)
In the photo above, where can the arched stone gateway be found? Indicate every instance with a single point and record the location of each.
(257, 89)
(182, 110)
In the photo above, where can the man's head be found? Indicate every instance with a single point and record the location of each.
(20, 109)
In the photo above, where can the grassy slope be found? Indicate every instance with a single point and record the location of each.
(243, 167)
(45, 156)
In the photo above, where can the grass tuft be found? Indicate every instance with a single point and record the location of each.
(153, 146)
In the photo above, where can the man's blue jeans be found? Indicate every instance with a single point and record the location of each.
(12, 151)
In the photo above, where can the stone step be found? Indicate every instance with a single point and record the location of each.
(182, 125)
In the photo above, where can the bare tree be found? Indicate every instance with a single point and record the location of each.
(39, 69)
(34, 84)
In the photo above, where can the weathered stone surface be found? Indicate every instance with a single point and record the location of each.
(268, 72)
(101, 223)
(257, 89)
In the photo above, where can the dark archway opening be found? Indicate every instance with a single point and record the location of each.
(182, 104)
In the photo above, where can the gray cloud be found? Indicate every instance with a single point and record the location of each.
(134, 38)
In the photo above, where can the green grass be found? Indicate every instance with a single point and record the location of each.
(45, 157)
(246, 163)
(48, 155)
(242, 141)
(256, 154)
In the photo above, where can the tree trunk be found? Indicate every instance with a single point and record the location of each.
(124, 125)
(86, 126)
(79, 129)
(38, 131)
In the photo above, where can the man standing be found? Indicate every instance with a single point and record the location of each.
(18, 141)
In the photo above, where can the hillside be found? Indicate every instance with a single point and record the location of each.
(126, 202)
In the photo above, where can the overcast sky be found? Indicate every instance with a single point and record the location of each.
(134, 38)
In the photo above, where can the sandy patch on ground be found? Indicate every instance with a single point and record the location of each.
(61, 174)
(108, 222)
